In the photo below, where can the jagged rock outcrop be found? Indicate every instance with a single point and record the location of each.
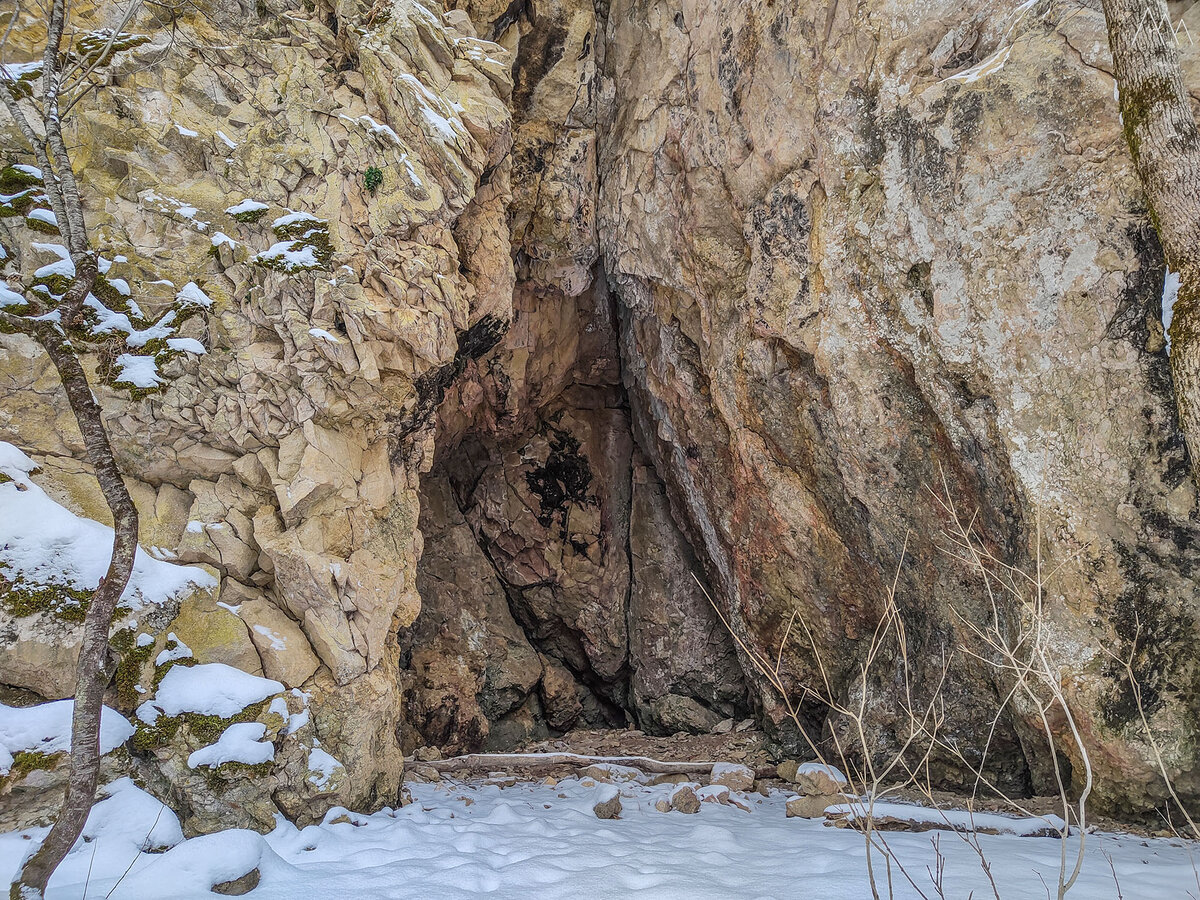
(874, 253)
(230, 152)
(654, 297)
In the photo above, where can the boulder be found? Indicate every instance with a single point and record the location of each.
(734, 776)
(811, 807)
(610, 806)
(684, 800)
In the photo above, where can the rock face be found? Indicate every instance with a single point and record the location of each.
(536, 445)
(856, 273)
(288, 456)
(656, 298)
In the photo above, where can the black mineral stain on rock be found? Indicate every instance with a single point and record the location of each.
(1157, 640)
(539, 52)
(431, 387)
(563, 480)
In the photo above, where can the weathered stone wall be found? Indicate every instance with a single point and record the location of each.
(288, 457)
(872, 253)
(656, 297)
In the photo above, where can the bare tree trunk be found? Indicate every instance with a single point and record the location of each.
(93, 672)
(1156, 113)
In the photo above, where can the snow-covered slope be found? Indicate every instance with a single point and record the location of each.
(540, 839)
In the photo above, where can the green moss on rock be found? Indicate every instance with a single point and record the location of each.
(26, 761)
(129, 669)
(206, 729)
(160, 672)
(18, 203)
(56, 284)
(230, 771)
(13, 180)
(98, 48)
(249, 216)
(110, 296)
(304, 234)
(61, 601)
(44, 227)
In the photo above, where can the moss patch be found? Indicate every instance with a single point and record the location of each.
(110, 296)
(39, 225)
(13, 180)
(160, 672)
(26, 761)
(304, 234)
(129, 669)
(22, 598)
(205, 729)
(18, 203)
(230, 771)
(55, 284)
(250, 215)
(95, 49)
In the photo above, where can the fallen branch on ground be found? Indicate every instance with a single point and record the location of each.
(488, 762)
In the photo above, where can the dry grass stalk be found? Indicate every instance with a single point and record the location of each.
(1019, 652)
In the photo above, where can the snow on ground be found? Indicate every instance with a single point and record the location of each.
(543, 840)
(45, 543)
(960, 819)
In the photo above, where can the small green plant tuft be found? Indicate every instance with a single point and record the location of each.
(372, 179)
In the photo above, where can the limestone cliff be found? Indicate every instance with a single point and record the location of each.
(875, 253)
(655, 297)
(288, 457)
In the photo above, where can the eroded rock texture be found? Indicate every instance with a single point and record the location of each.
(872, 253)
(657, 298)
(288, 457)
